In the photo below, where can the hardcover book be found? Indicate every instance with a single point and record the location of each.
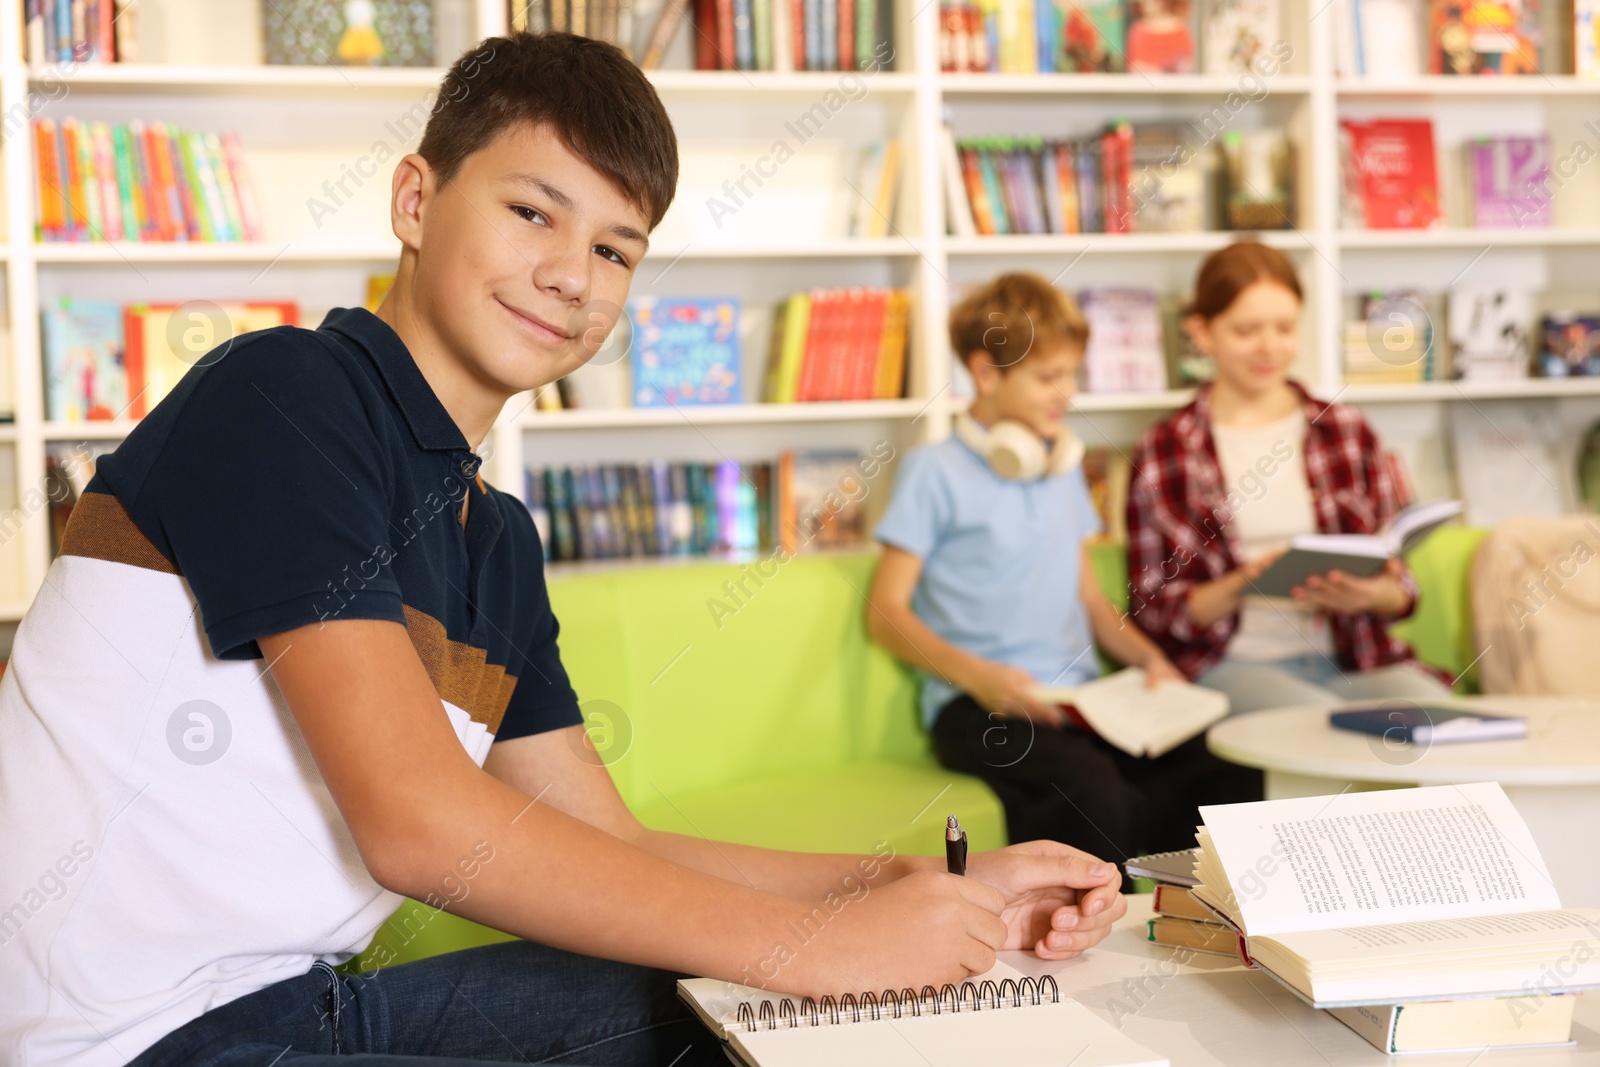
(1391, 176)
(1510, 181)
(1484, 37)
(685, 351)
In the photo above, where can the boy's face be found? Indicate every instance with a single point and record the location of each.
(1034, 392)
(526, 260)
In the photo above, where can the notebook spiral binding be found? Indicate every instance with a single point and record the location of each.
(969, 995)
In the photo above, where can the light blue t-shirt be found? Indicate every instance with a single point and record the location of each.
(999, 563)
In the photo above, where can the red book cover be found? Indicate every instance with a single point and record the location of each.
(868, 344)
(822, 301)
(1394, 170)
(705, 34)
(847, 347)
(847, 34)
(163, 198)
(725, 46)
(1116, 166)
(797, 32)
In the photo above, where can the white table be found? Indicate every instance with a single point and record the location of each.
(1552, 776)
(1209, 1011)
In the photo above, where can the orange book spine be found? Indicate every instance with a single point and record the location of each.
(892, 356)
(133, 359)
(869, 343)
(77, 201)
(811, 360)
(51, 203)
(162, 197)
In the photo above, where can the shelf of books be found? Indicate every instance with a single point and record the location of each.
(785, 341)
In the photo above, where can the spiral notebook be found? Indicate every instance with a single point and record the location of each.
(999, 1017)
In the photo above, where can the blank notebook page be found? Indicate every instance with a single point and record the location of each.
(1042, 1034)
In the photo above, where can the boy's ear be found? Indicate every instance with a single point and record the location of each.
(409, 194)
(985, 375)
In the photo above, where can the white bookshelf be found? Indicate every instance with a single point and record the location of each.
(301, 125)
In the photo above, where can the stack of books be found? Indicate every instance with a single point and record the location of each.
(1180, 920)
(1421, 918)
(1392, 340)
(140, 182)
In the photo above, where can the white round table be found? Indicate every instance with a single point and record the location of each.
(1552, 776)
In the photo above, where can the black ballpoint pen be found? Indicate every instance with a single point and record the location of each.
(955, 846)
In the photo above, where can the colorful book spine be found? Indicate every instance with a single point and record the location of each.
(133, 222)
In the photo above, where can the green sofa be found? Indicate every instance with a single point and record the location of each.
(747, 704)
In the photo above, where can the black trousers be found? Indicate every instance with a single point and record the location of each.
(1068, 785)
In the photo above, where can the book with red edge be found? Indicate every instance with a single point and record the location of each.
(1392, 173)
(870, 335)
(841, 344)
(727, 49)
(811, 362)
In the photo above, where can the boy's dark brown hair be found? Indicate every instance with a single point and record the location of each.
(1013, 315)
(590, 94)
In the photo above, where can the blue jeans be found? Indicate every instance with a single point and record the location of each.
(515, 1001)
(1317, 680)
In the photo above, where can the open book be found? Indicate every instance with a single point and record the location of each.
(1139, 720)
(1395, 896)
(1001, 1016)
(1360, 555)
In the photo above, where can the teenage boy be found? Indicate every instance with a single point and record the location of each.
(985, 586)
(296, 661)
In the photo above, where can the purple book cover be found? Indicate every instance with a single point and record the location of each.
(727, 482)
(1511, 181)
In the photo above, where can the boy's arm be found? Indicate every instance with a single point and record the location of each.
(425, 819)
(548, 766)
(1126, 644)
(1056, 903)
(891, 622)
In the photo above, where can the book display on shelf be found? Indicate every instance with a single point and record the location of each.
(1062, 123)
(376, 33)
(1390, 175)
(1488, 329)
(1234, 33)
(1161, 37)
(746, 35)
(80, 31)
(165, 340)
(140, 182)
(85, 377)
(1494, 37)
(1569, 345)
(684, 351)
(1392, 339)
(1125, 353)
(1509, 177)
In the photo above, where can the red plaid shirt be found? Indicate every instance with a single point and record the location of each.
(1180, 533)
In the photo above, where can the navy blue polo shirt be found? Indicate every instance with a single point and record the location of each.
(298, 476)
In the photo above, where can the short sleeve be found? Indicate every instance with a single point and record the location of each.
(270, 494)
(1089, 523)
(543, 698)
(920, 509)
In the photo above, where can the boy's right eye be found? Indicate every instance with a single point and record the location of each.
(520, 208)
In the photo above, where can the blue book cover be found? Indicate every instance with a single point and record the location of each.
(85, 373)
(685, 351)
(1422, 725)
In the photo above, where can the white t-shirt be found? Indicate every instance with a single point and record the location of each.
(1266, 467)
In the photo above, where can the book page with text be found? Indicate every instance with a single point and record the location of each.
(1387, 856)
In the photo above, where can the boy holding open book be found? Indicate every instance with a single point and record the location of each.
(985, 586)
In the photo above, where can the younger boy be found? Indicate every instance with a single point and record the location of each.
(985, 586)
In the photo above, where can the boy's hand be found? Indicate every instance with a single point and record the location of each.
(1158, 668)
(928, 926)
(1058, 901)
(1010, 691)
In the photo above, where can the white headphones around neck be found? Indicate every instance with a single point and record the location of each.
(1015, 452)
